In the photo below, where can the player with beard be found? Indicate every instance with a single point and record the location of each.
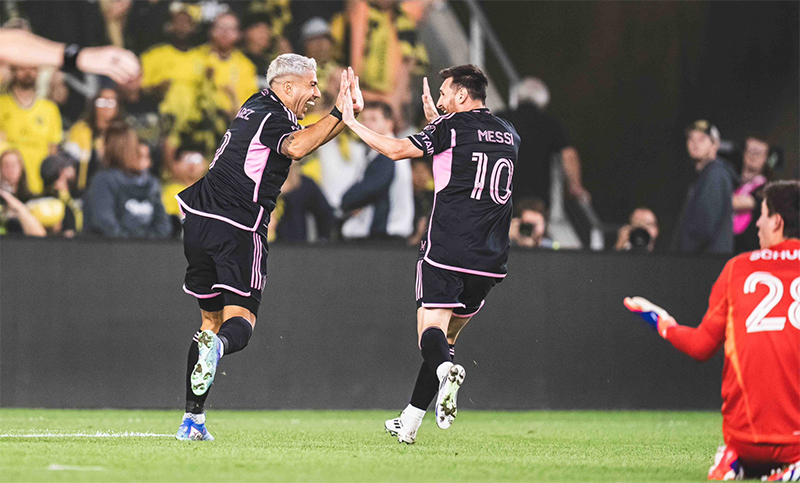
(227, 212)
(464, 253)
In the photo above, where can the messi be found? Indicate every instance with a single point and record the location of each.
(496, 137)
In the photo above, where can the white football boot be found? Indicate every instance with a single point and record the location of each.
(451, 376)
(210, 351)
(405, 426)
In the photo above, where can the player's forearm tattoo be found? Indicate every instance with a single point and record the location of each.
(286, 144)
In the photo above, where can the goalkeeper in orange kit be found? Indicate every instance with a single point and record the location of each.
(754, 312)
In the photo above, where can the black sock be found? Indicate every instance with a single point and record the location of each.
(452, 351)
(234, 334)
(427, 384)
(433, 345)
(194, 404)
(425, 388)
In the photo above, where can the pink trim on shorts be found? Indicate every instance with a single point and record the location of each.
(200, 296)
(230, 289)
(460, 316)
(465, 270)
(183, 204)
(443, 306)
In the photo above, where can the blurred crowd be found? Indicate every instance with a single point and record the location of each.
(80, 154)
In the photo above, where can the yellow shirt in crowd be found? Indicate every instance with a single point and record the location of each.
(32, 131)
(80, 134)
(236, 72)
(165, 62)
(168, 192)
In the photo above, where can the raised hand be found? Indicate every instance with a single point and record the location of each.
(119, 64)
(355, 91)
(428, 105)
(657, 318)
(344, 96)
(348, 114)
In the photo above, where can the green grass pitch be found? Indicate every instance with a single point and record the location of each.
(350, 446)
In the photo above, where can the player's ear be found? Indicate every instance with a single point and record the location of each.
(287, 87)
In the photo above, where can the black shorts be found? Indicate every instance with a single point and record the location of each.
(227, 265)
(463, 292)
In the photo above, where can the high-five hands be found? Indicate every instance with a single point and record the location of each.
(350, 96)
(348, 113)
(428, 105)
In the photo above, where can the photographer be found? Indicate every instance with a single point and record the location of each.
(640, 234)
(529, 226)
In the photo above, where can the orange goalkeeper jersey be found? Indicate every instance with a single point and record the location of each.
(754, 310)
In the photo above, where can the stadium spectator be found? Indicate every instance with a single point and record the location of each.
(85, 138)
(125, 200)
(640, 233)
(16, 218)
(318, 45)
(760, 384)
(56, 210)
(384, 51)
(422, 181)
(141, 112)
(301, 200)
(231, 73)
(706, 223)
(380, 204)
(189, 166)
(529, 227)
(747, 195)
(545, 138)
(29, 123)
(169, 70)
(261, 45)
(155, 15)
(13, 179)
(115, 14)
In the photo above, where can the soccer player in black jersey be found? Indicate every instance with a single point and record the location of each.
(464, 253)
(227, 212)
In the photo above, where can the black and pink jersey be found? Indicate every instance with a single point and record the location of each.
(474, 154)
(248, 170)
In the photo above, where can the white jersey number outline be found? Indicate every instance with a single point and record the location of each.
(758, 320)
(222, 145)
(494, 189)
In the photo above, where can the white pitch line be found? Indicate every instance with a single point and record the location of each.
(74, 468)
(98, 434)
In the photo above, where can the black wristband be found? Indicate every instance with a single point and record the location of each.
(71, 53)
(335, 112)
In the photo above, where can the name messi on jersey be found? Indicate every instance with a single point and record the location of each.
(496, 137)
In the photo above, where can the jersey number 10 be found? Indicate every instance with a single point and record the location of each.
(758, 320)
(494, 189)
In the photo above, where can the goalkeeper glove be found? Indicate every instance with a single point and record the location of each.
(657, 318)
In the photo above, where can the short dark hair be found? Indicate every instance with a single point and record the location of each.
(385, 108)
(532, 204)
(783, 198)
(470, 77)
